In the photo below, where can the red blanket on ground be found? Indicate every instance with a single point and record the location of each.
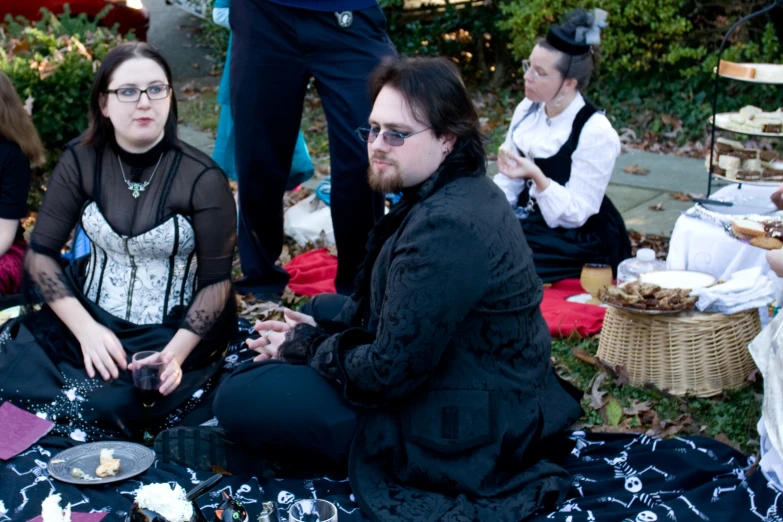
(564, 317)
(11, 268)
(313, 273)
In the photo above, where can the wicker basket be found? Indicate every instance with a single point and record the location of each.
(687, 353)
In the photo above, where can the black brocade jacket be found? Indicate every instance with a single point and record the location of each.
(449, 363)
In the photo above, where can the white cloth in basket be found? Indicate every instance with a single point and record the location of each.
(747, 289)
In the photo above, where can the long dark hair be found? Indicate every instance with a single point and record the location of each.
(101, 131)
(16, 125)
(438, 98)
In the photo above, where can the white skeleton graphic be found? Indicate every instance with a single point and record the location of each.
(39, 449)
(644, 516)
(643, 440)
(578, 479)
(193, 478)
(40, 474)
(648, 500)
(3, 512)
(633, 482)
(772, 514)
(569, 507)
(693, 508)
(693, 445)
(581, 443)
(218, 496)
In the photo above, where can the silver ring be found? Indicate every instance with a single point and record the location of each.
(266, 334)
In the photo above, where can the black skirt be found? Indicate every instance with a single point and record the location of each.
(560, 253)
(42, 370)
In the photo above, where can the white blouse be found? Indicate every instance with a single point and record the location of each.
(538, 136)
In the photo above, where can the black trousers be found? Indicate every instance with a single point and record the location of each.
(289, 413)
(276, 50)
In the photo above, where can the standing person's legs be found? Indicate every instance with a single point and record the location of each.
(341, 62)
(268, 80)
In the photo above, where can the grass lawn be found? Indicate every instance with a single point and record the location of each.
(612, 406)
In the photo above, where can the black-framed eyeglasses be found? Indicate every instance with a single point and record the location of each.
(393, 138)
(133, 94)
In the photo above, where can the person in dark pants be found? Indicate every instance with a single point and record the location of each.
(433, 384)
(278, 46)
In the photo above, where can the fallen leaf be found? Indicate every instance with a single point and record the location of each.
(584, 356)
(721, 437)
(657, 208)
(636, 169)
(196, 66)
(637, 408)
(614, 411)
(597, 396)
(681, 196)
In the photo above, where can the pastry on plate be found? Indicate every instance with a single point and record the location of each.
(769, 243)
(748, 228)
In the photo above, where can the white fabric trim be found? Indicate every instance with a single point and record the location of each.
(571, 205)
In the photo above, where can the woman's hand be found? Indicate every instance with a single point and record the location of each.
(515, 166)
(171, 375)
(272, 336)
(775, 260)
(102, 351)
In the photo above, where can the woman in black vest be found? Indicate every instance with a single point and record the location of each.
(559, 153)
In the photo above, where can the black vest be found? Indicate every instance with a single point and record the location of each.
(560, 253)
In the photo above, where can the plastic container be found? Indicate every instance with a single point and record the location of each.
(632, 268)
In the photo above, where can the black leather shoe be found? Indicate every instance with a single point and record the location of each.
(207, 449)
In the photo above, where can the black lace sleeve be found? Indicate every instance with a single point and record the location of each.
(214, 221)
(59, 213)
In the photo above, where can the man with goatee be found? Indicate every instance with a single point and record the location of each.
(432, 386)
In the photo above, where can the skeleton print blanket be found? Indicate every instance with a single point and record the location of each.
(616, 479)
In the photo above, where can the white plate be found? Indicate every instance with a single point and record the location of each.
(766, 73)
(679, 279)
(744, 182)
(722, 121)
(743, 206)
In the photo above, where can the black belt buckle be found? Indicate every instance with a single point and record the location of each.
(344, 18)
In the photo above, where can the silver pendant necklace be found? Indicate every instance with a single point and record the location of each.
(134, 187)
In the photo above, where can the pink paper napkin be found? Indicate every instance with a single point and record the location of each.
(19, 430)
(78, 517)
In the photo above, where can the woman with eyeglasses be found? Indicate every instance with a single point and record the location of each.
(558, 157)
(161, 221)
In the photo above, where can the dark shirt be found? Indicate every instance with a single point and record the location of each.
(14, 182)
(328, 5)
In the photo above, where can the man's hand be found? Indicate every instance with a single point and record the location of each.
(777, 198)
(293, 319)
(272, 336)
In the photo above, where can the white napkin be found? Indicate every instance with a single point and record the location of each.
(747, 289)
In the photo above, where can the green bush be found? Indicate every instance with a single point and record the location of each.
(657, 58)
(53, 62)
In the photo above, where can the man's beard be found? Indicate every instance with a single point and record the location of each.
(385, 183)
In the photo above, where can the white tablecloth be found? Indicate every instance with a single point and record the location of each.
(700, 245)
